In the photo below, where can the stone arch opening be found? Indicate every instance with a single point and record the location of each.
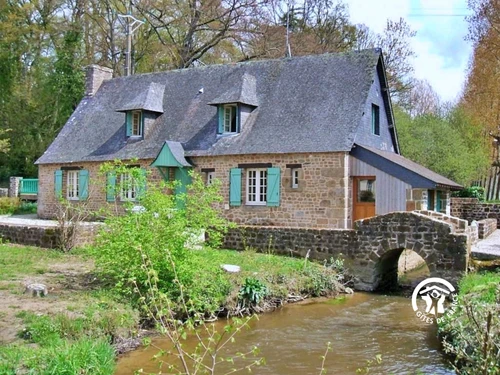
(389, 270)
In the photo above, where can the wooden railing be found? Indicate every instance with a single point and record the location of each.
(29, 186)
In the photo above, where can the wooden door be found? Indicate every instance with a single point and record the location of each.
(364, 197)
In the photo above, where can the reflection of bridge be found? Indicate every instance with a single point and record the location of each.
(371, 250)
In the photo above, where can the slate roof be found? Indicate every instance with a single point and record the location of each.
(304, 104)
(150, 100)
(414, 174)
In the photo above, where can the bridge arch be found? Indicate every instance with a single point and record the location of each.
(381, 240)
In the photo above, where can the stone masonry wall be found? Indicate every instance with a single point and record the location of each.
(321, 201)
(486, 227)
(48, 204)
(471, 209)
(371, 250)
(45, 236)
(320, 243)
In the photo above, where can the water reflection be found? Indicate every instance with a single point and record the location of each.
(293, 339)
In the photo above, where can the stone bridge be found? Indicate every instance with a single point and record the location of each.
(442, 241)
(373, 247)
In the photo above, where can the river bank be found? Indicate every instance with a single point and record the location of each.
(472, 334)
(82, 319)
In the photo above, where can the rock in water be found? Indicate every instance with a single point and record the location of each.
(39, 290)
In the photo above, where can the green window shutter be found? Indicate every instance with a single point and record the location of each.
(83, 184)
(141, 186)
(128, 120)
(220, 126)
(58, 181)
(110, 186)
(273, 187)
(235, 187)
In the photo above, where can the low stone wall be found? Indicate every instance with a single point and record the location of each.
(486, 227)
(320, 243)
(45, 236)
(471, 209)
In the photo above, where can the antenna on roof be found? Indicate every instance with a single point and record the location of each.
(132, 24)
(288, 50)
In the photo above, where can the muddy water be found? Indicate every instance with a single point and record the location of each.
(359, 327)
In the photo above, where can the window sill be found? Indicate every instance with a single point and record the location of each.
(258, 204)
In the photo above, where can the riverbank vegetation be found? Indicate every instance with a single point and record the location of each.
(149, 268)
(472, 334)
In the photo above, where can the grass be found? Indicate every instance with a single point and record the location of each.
(21, 260)
(72, 330)
(480, 286)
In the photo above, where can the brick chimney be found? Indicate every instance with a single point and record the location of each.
(95, 76)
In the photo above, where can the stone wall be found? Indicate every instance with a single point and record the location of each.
(321, 201)
(14, 186)
(321, 244)
(471, 209)
(486, 227)
(47, 207)
(371, 250)
(45, 236)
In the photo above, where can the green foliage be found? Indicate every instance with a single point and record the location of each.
(470, 192)
(84, 356)
(472, 333)
(9, 205)
(252, 291)
(448, 144)
(161, 232)
(26, 208)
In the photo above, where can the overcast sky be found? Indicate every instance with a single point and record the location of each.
(442, 53)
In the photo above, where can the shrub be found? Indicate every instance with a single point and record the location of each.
(26, 208)
(8, 205)
(159, 233)
(470, 192)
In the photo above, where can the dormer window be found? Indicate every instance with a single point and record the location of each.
(135, 124)
(229, 119)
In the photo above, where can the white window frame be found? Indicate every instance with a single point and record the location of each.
(256, 187)
(128, 188)
(136, 125)
(229, 109)
(72, 185)
(295, 178)
(210, 178)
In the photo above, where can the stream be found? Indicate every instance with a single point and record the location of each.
(359, 327)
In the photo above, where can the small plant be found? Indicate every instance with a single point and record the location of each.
(252, 292)
(470, 192)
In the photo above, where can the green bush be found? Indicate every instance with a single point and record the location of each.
(26, 208)
(252, 291)
(470, 192)
(156, 237)
(9, 205)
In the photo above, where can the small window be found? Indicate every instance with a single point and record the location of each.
(366, 190)
(295, 178)
(256, 186)
(72, 185)
(210, 178)
(375, 119)
(136, 124)
(128, 188)
(230, 119)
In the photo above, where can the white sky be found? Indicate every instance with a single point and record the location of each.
(442, 54)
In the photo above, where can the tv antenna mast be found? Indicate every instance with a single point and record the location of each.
(131, 26)
(288, 50)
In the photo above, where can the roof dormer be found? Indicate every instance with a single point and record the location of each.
(235, 104)
(143, 109)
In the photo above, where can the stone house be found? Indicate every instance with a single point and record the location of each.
(299, 142)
